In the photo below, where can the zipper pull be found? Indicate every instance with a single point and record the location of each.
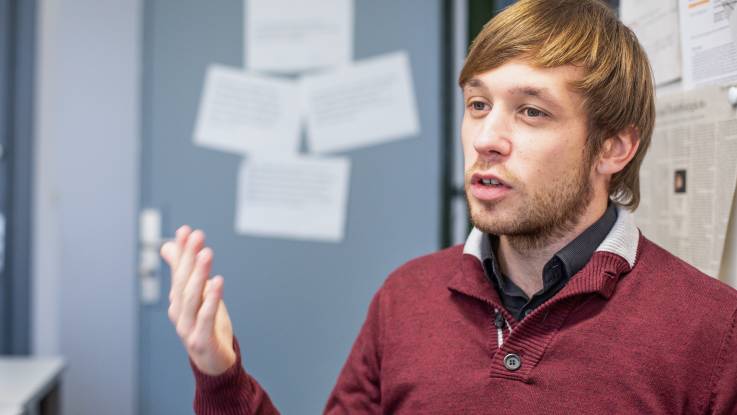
(499, 323)
(499, 320)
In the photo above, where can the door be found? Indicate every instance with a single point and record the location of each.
(6, 40)
(17, 51)
(296, 306)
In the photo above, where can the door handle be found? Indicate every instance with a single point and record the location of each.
(149, 262)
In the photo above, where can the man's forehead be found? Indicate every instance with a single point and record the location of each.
(523, 88)
(526, 77)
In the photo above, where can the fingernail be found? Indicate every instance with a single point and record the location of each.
(203, 255)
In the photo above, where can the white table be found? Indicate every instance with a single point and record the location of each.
(10, 410)
(28, 383)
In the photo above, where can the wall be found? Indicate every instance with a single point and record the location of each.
(86, 184)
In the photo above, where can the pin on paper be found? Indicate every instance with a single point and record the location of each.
(732, 95)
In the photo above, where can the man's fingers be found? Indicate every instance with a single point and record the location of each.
(194, 243)
(171, 250)
(180, 240)
(204, 327)
(167, 252)
(181, 235)
(192, 295)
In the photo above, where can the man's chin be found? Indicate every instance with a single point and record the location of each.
(494, 208)
(491, 219)
(498, 218)
(495, 227)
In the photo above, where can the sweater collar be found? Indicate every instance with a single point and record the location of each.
(615, 256)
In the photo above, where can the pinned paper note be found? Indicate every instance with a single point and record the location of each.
(248, 114)
(296, 198)
(367, 103)
(290, 36)
(655, 22)
(708, 45)
(733, 20)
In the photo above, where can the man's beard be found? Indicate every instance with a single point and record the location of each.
(540, 218)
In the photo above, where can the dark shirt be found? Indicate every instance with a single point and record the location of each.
(556, 272)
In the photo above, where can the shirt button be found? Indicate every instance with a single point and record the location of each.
(512, 362)
(528, 312)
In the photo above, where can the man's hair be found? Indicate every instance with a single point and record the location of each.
(617, 85)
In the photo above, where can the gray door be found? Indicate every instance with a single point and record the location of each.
(5, 77)
(17, 51)
(296, 306)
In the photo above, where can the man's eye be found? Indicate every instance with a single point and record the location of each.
(534, 112)
(478, 105)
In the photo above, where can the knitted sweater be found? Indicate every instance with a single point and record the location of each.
(635, 331)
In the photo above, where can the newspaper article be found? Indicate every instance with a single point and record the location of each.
(655, 22)
(709, 50)
(688, 177)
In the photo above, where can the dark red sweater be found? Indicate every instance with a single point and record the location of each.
(636, 331)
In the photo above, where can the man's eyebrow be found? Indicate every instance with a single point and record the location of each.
(473, 83)
(539, 93)
(532, 91)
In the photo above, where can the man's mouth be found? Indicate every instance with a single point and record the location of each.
(487, 187)
(488, 180)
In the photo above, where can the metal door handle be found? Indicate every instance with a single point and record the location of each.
(149, 263)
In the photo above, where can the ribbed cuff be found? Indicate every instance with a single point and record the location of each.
(231, 392)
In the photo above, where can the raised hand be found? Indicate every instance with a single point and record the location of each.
(196, 307)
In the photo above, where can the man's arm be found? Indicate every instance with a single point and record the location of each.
(723, 396)
(357, 390)
(232, 392)
(222, 385)
(201, 319)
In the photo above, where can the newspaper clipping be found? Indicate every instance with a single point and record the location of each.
(688, 177)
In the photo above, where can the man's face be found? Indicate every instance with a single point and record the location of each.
(524, 133)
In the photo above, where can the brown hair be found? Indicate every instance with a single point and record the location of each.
(617, 85)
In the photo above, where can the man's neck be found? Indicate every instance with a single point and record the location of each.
(523, 263)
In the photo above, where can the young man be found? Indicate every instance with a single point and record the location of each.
(556, 303)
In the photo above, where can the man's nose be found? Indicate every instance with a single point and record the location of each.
(494, 138)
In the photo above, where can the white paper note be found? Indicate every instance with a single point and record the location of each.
(368, 103)
(733, 20)
(248, 114)
(655, 22)
(708, 47)
(290, 36)
(688, 176)
(295, 198)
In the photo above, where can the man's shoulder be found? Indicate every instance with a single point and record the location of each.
(674, 276)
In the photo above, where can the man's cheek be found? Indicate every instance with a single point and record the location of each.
(469, 158)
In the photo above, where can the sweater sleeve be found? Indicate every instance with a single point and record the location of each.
(233, 392)
(358, 388)
(724, 384)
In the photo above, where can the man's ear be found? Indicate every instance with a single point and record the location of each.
(617, 151)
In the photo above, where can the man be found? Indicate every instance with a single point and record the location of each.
(556, 303)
